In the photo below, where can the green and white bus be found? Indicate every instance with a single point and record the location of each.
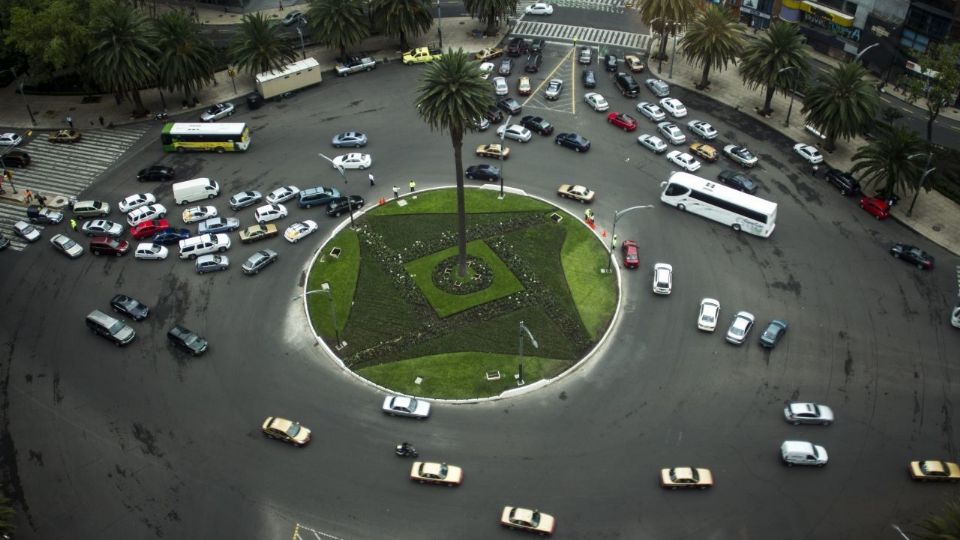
(211, 137)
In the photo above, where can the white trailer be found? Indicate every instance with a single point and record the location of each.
(289, 78)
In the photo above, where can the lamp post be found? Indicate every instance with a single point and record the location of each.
(439, 21)
(327, 290)
(613, 235)
(927, 171)
(533, 341)
(786, 123)
(343, 175)
(300, 22)
(673, 55)
(503, 135)
(23, 96)
(865, 49)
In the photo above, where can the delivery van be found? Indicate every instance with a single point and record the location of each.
(198, 189)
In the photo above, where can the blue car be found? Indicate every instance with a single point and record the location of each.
(771, 336)
(170, 236)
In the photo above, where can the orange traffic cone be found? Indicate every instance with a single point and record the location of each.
(382, 201)
(603, 234)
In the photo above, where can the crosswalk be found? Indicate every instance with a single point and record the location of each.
(582, 34)
(64, 169)
(609, 6)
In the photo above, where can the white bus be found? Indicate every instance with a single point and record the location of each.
(741, 211)
(205, 137)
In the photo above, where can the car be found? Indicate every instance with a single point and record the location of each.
(146, 213)
(258, 232)
(523, 86)
(4, 242)
(662, 278)
(482, 124)
(427, 472)
(135, 201)
(292, 18)
(489, 54)
(338, 206)
(709, 314)
(683, 160)
(10, 139)
(912, 255)
(155, 173)
(634, 63)
(285, 430)
(686, 477)
(586, 56)
(282, 194)
(218, 225)
(517, 46)
(26, 231)
(506, 66)
(803, 453)
(486, 69)
(772, 333)
(190, 342)
(200, 213)
(573, 141)
(16, 158)
(671, 132)
(738, 181)
(494, 115)
(740, 154)
(300, 230)
(406, 406)
(483, 172)
(537, 125)
(610, 62)
(597, 102)
(554, 88)
(349, 139)
(102, 227)
(540, 8)
(876, 207)
(538, 45)
(131, 307)
(658, 87)
(170, 236)
(149, 251)
(651, 111)
(674, 107)
(65, 245)
(64, 136)
(258, 261)
(90, 208)
(241, 200)
(934, 471)
(525, 519)
(808, 153)
(622, 121)
(534, 61)
(653, 143)
(589, 78)
(146, 229)
(106, 245)
(510, 106)
(808, 413)
(515, 132)
(740, 327)
(577, 193)
(500, 87)
(317, 196)
(843, 181)
(353, 161)
(492, 150)
(631, 254)
(705, 151)
(702, 129)
(216, 112)
(269, 212)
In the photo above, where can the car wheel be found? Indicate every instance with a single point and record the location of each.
(920, 266)
(576, 148)
(827, 423)
(681, 207)
(735, 227)
(221, 250)
(795, 422)
(821, 465)
(878, 217)
(789, 464)
(119, 253)
(193, 256)
(96, 253)
(558, 142)
(220, 150)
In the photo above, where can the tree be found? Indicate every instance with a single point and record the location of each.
(490, 12)
(843, 103)
(764, 61)
(945, 526)
(54, 37)
(661, 14)
(452, 95)
(187, 58)
(886, 164)
(338, 23)
(261, 46)
(713, 40)
(937, 91)
(121, 59)
(7, 515)
(403, 17)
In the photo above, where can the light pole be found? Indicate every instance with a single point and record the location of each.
(300, 22)
(327, 290)
(503, 135)
(673, 55)
(439, 21)
(343, 175)
(863, 50)
(533, 341)
(613, 235)
(786, 123)
(22, 96)
(927, 171)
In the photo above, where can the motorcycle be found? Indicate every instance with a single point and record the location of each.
(161, 116)
(406, 450)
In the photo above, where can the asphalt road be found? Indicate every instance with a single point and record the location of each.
(142, 442)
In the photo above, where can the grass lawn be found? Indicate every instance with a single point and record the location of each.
(341, 273)
(477, 201)
(594, 294)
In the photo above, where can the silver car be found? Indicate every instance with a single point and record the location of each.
(26, 231)
(258, 261)
(212, 263)
(658, 87)
(553, 89)
(740, 327)
(66, 246)
(218, 225)
(672, 132)
(216, 112)
(808, 413)
(651, 111)
(653, 143)
(245, 199)
(102, 227)
(349, 139)
(406, 406)
(500, 86)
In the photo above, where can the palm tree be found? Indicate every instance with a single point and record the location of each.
(122, 55)
(490, 12)
(7, 516)
(764, 61)
(886, 162)
(945, 526)
(661, 14)
(403, 17)
(187, 58)
(713, 40)
(451, 97)
(843, 103)
(338, 23)
(261, 46)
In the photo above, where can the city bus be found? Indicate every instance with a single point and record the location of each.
(206, 137)
(736, 209)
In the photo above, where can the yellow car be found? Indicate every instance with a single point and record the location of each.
(492, 150)
(64, 136)
(285, 430)
(442, 474)
(488, 54)
(934, 471)
(634, 63)
(705, 151)
(525, 519)
(258, 232)
(686, 477)
(523, 86)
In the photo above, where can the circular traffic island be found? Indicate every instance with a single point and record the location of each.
(393, 303)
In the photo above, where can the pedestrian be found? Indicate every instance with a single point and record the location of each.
(413, 186)
(28, 196)
(70, 121)
(101, 120)
(41, 200)
(815, 169)
(73, 224)
(396, 192)
(281, 4)
(372, 182)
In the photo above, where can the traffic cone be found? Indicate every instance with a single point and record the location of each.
(382, 201)
(603, 234)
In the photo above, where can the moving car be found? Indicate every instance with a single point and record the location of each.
(341, 205)
(486, 69)
(285, 430)
(300, 230)
(406, 406)
(200, 213)
(709, 313)
(483, 172)
(702, 129)
(586, 55)
(674, 107)
(540, 8)
(662, 278)
(622, 121)
(282, 194)
(634, 63)
(105, 245)
(533, 63)
(577, 193)
(525, 519)
(705, 151)
(43, 215)
(427, 472)
(538, 45)
(671, 132)
(740, 154)
(772, 333)
(149, 228)
(16, 158)
(934, 471)
(349, 139)
(102, 227)
(64, 136)
(149, 251)
(808, 413)
(803, 453)
(517, 46)
(258, 261)
(91, 208)
(740, 327)
(683, 160)
(146, 213)
(510, 106)
(573, 141)
(131, 307)
(658, 87)
(216, 112)
(258, 232)
(686, 477)
(627, 85)
(10, 139)
(493, 115)
(876, 207)
(738, 181)
(269, 212)
(242, 200)
(353, 161)
(506, 66)
(218, 225)
(212, 263)
(26, 231)
(809, 153)
(653, 143)
(135, 201)
(170, 236)
(316, 196)
(155, 173)
(589, 78)
(515, 132)
(537, 125)
(523, 86)
(554, 87)
(610, 62)
(596, 101)
(912, 255)
(482, 124)
(500, 87)
(631, 254)
(492, 150)
(843, 181)
(489, 54)
(651, 111)
(65, 245)
(187, 340)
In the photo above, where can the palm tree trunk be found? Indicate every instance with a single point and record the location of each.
(930, 119)
(831, 143)
(456, 137)
(705, 80)
(403, 41)
(139, 109)
(769, 99)
(663, 46)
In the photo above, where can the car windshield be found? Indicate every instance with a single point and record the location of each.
(68, 244)
(114, 329)
(294, 429)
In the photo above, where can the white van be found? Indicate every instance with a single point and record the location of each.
(803, 453)
(190, 248)
(198, 189)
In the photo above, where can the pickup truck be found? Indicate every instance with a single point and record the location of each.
(577, 193)
(353, 64)
(421, 55)
(258, 232)
(489, 54)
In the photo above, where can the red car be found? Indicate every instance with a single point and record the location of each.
(877, 208)
(622, 121)
(149, 228)
(631, 254)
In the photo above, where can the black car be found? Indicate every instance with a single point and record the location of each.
(610, 62)
(517, 46)
(573, 141)
(538, 45)
(155, 173)
(510, 105)
(170, 236)
(342, 205)
(494, 115)
(738, 181)
(506, 66)
(187, 340)
(254, 101)
(131, 307)
(627, 85)
(537, 124)
(483, 172)
(589, 78)
(844, 181)
(15, 158)
(533, 63)
(913, 255)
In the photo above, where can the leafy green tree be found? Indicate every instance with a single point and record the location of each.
(121, 59)
(187, 58)
(843, 103)
(403, 17)
(667, 17)
(338, 23)
(261, 45)
(490, 12)
(886, 162)
(452, 96)
(54, 36)
(764, 61)
(942, 526)
(713, 40)
(939, 91)
(7, 515)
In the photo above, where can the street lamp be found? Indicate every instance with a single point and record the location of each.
(327, 290)
(792, 93)
(533, 341)
(927, 171)
(439, 21)
(863, 50)
(300, 22)
(673, 55)
(613, 235)
(343, 175)
(23, 96)
(503, 135)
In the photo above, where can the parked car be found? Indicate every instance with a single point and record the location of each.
(573, 141)
(586, 55)
(740, 327)
(658, 87)
(317, 196)
(184, 339)
(537, 125)
(554, 87)
(843, 181)
(610, 62)
(258, 232)
(631, 254)
(483, 172)
(282, 194)
(709, 314)
(913, 255)
(506, 66)
(42, 215)
(218, 225)
(589, 78)
(738, 181)
(622, 121)
(517, 46)
(671, 132)
(653, 143)
(876, 207)
(772, 334)
(674, 107)
(129, 306)
(651, 111)
(740, 154)
(702, 129)
(217, 112)
(808, 413)
(494, 115)
(705, 151)
(500, 87)
(510, 106)
(406, 406)
(634, 63)
(683, 160)
(808, 153)
(533, 63)
(258, 261)
(243, 199)
(538, 45)
(523, 86)
(596, 102)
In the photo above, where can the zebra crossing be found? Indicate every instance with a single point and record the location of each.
(64, 169)
(609, 6)
(581, 34)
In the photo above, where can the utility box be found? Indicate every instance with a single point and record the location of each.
(290, 78)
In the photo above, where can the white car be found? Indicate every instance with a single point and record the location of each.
(26, 231)
(803, 453)
(740, 154)
(500, 87)
(216, 112)
(146, 213)
(282, 194)
(709, 313)
(486, 69)
(353, 161)
(653, 143)
(703, 129)
(482, 124)
(199, 213)
(662, 278)
(406, 406)
(515, 132)
(596, 101)
(740, 327)
(672, 132)
(651, 111)
(540, 8)
(683, 160)
(809, 153)
(674, 107)
(151, 252)
(269, 212)
(136, 201)
(10, 139)
(300, 230)
(808, 413)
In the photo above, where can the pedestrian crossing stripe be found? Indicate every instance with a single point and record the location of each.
(610, 6)
(582, 34)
